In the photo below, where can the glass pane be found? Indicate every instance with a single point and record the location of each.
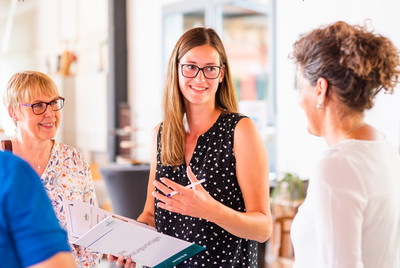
(175, 25)
(192, 20)
(243, 28)
(245, 36)
(245, 39)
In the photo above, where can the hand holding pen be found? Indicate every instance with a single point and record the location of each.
(187, 186)
(192, 200)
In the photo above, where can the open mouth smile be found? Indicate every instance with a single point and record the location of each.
(47, 124)
(198, 88)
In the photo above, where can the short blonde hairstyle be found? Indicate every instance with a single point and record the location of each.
(23, 87)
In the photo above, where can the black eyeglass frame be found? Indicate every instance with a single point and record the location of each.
(47, 104)
(200, 69)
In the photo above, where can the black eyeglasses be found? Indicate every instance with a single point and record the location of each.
(209, 72)
(41, 107)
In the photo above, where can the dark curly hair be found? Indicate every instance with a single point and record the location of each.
(356, 62)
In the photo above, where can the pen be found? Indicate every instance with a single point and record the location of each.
(119, 218)
(187, 186)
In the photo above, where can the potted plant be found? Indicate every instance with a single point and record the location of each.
(288, 190)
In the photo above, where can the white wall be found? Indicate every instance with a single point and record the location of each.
(42, 30)
(297, 150)
(145, 75)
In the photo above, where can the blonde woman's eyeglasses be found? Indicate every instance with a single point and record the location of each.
(41, 107)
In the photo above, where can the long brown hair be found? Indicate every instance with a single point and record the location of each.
(173, 131)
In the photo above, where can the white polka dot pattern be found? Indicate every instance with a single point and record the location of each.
(213, 158)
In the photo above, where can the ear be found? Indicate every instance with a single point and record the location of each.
(12, 114)
(222, 74)
(321, 90)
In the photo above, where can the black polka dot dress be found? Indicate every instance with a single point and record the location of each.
(213, 159)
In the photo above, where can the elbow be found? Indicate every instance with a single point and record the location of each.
(265, 233)
(264, 237)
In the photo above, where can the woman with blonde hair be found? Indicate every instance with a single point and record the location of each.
(202, 136)
(351, 214)
(34, 104)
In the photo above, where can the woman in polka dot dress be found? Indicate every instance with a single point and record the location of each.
(203, 137)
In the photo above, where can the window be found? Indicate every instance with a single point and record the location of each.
(247, 31)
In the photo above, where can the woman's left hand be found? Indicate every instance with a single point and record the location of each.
(194, 202)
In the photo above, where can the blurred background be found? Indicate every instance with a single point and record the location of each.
(108, 58)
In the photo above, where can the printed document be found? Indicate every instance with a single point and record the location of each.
(105, 232)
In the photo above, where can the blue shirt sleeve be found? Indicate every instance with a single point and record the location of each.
(29, 232)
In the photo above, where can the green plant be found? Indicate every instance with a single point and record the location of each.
(289, 186)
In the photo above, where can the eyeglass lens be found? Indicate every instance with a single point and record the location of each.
(55, 105)
(191, 71)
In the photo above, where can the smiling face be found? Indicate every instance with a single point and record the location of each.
(200, 90)
(39, 127)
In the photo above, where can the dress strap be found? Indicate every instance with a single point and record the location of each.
(6, 145)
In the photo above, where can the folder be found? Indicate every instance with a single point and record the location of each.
(108, 233)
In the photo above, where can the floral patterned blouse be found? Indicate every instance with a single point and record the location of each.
(67, 177)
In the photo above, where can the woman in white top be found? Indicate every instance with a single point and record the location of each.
(351, 215)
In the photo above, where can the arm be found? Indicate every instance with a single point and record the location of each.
(253, 177)
(338, 214)
(252, 174)
(60, 260)
(147, 215)
(33, 227)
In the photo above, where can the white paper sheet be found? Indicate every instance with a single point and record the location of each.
(109, 233)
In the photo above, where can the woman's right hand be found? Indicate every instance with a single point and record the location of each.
(120, 261)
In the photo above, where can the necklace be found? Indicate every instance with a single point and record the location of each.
(16, 142)
(352, 129)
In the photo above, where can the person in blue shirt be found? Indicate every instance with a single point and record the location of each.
(29, 231)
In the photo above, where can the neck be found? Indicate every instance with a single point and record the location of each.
(200, 120)
(36, 153)
(337, 129)
(352, 130)
(37, 147)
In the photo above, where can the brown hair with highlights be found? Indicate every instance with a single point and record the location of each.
(356, 62)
